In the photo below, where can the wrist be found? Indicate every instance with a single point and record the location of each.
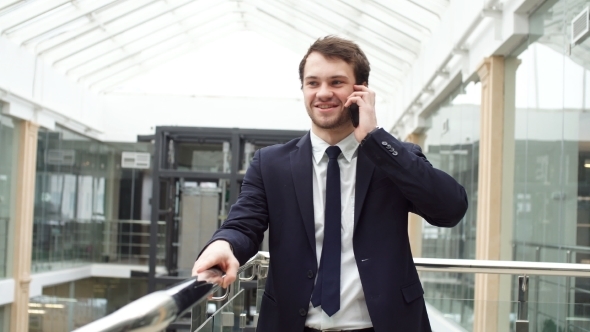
(369, 134)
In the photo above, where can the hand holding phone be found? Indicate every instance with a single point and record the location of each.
(362, 100)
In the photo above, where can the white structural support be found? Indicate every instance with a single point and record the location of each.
(453, 54)
(7, 291)
(26, 108)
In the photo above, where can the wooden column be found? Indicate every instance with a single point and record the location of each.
(414, 220)
(489, 208)
(23, 230)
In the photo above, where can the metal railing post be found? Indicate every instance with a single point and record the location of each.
(536, 293)
(522, 321)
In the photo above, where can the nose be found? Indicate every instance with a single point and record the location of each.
(324, 92)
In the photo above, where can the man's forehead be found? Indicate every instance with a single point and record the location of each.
(317, 65)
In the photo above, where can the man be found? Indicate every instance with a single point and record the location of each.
(336, 203)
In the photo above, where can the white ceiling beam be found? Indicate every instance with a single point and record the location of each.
(153, 45)
(182, 42)
(8, 31)
(312, 22)
(11, 7)
(107, 85)
(136, 25)
(94, 28)
(147, 34)
(377, 79)
(397, 17)
(366, 39)
(79, 16)
(425, 8)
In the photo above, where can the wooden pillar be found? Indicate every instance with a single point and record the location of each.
(23, 230)
(414, 220)
(489, 208)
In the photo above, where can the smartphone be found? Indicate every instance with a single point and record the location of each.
(354, 114)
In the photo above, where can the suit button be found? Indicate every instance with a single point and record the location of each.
(310, 274)
(394, 153)
(302, 312)
(384, 143)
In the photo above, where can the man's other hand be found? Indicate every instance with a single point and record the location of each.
(218, 254)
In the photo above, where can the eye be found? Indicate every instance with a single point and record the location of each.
(312, 83)
(337, 82)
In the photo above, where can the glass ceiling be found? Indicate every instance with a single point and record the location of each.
(103, 43)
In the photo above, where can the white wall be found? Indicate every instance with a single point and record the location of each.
(36, 92)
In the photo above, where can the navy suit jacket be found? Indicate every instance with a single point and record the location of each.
(277, 194)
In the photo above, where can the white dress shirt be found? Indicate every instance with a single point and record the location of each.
(353, 313)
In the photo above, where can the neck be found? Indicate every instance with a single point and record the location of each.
(332, 136)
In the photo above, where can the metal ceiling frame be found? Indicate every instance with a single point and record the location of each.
(126, 44)
(187, 31)
(6, 9)
(377, 48)
(135, 25)
(407, 35)
(383, 79)
(94, 28)
(70, 21)
(116, 83)
(135, 64)
(399, 47)
(7, 30)
(116, 40)
(176, 22)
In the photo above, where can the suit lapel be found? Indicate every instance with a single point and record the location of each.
(302, 171)
(364, 172)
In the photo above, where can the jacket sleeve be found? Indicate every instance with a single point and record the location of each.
(248, 217)
(432, 193)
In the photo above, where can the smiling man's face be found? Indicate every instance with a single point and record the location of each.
(327, 83)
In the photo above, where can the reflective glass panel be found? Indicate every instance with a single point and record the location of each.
(68, 306)
(8, 175)
(451, 144)
(4, 318)
(551, 209)
(91, 205)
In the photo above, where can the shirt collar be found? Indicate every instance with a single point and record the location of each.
(348, 146)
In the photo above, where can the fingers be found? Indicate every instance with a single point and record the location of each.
(203, 264)
(354, 99)
(360, 96)
(217, 254)
(231, 273)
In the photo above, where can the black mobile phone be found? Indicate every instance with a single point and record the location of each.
(354, 114)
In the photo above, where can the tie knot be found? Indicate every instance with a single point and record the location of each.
(333, 152)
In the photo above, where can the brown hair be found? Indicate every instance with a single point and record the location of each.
(336, 47)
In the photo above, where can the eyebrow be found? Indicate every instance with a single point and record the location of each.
(331, 77)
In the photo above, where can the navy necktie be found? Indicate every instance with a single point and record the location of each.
(327, 288)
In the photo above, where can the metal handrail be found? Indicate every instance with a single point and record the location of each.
(155, 311)
(582, 249)
(502, 267)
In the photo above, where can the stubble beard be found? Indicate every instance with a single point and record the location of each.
(340, 121)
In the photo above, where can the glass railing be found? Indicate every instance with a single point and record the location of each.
(59, 244)
(237, 309)
(4, 222)
(156, 311)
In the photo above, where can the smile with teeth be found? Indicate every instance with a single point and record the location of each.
(325, 106)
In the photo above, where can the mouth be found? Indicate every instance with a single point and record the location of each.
(326, 107)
